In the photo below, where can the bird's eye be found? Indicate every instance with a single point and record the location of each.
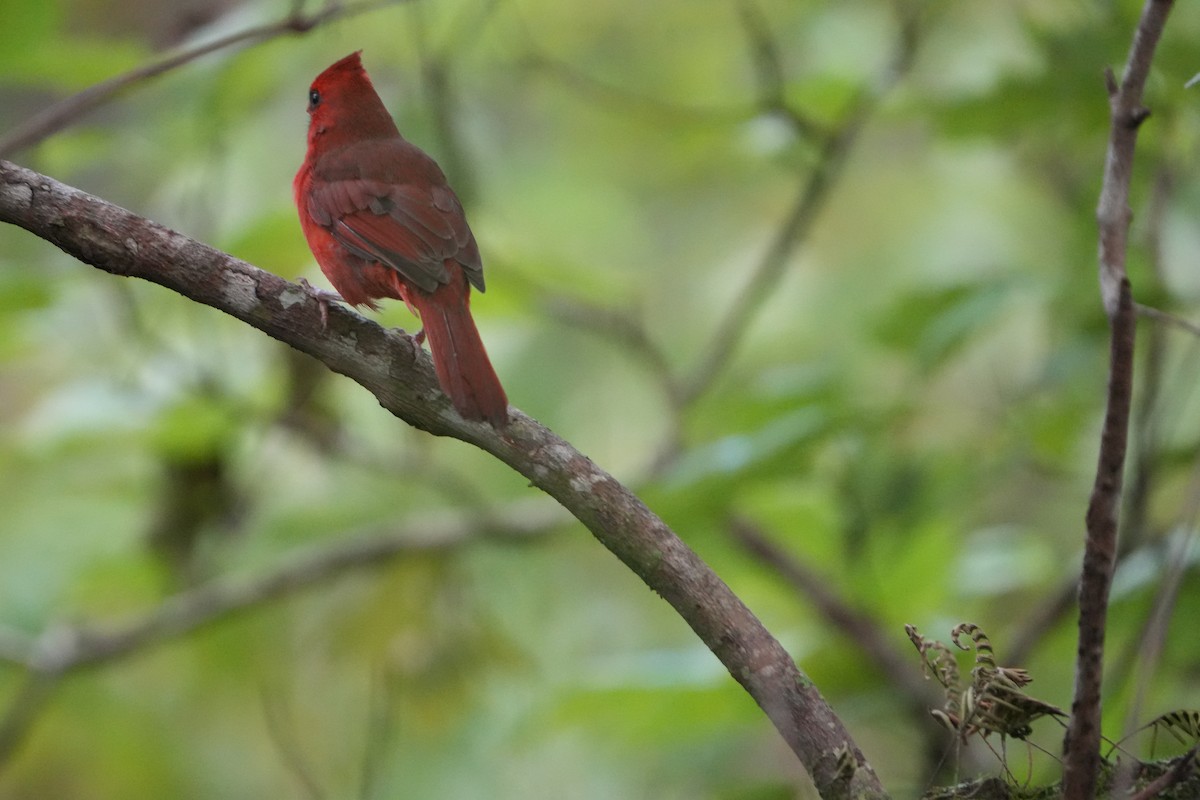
(314, 99)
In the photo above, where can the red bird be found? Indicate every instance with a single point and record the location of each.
(382, 222)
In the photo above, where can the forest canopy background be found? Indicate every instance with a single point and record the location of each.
(910, 407)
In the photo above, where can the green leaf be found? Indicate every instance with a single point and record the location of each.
(934, 324)
(733, 455)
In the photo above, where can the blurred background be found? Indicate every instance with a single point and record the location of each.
(817, 279)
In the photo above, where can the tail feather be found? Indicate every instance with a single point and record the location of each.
(463, 368)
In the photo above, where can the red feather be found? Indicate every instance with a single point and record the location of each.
(383, 223)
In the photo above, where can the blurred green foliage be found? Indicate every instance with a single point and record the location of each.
(912, 411)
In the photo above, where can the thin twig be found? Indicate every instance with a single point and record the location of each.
(1148, 445)
(630, 100)
(70, 109)
(1081, 748)
(24, 706)
(378, 735)
(1166, 317)
(810, 199)
(772, 79)
(1128, 114)
(1040, 622)
(281, 730)
(1146, 459)
(620, 326)
(437, 79)
(437, 66)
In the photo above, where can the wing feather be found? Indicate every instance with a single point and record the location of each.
(413, 229)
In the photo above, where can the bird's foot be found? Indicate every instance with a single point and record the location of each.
(323, 298)
(419, 336)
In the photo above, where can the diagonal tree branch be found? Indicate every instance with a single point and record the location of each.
(398, 373)
(1081, 762)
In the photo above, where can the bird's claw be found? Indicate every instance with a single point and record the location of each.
(323, 298)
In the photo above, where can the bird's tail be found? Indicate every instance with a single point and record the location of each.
(462, 364)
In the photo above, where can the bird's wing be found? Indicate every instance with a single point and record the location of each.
(408, 227)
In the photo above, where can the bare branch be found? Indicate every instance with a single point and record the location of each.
(378, 734)
(629, 100)
(1081, 748)
(810, 198)
(70, 109)
(281, 729)
(399, 374)
(1127, 115)
(1082, 744)
(62, 649)
(437, 70)
(622, 328)
(1142, 657)
(27, 702)
(1167, 318)
(768, 64)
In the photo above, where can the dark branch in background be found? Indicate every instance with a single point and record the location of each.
(1147, 454)
(281, 729)
(378, 738)
(399, 374)
(438, 79)
(834, 142)
(23, 708)
(1167, 318)
(624, 328)
(1143, 468)
(1042, 620)
(70, 109)
(772, 77)
(57, 652)
(895, 665)
(67, 648)
(631, 101)
(1081, 757)
(814, 189)
(1141, 657)
(861, 630)
(437, 65)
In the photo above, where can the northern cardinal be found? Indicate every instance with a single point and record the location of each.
(382, 222)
